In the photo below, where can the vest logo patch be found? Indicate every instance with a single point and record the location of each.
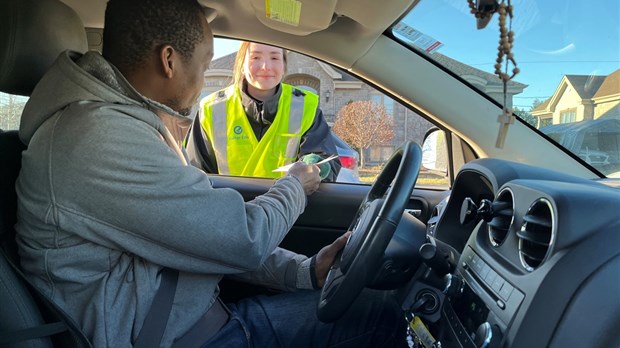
(238, 136)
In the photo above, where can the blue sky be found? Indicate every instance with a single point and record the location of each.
(224, 47)
(553, 38)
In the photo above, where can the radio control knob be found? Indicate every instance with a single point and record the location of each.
(488, 336)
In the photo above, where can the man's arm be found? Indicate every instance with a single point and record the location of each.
(135, 195)
(285, 270)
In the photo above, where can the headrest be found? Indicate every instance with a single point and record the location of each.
(32, 35)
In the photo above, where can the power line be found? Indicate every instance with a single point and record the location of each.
(555, 62)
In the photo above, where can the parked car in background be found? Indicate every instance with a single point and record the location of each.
(349, 158)
(594, 157)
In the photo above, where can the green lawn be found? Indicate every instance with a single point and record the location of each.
(368, 175)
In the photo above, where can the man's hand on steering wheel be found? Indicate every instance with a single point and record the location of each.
(325, 258)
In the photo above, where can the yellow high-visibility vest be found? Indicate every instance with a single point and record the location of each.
(237, 151)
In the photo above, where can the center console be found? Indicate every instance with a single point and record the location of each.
(477, 305)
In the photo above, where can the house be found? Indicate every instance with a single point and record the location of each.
(336, 88)
(581, 98)
(583, 115)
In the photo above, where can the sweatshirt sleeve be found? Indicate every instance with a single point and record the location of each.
(318, 139)
(283, 270)
(123, 188)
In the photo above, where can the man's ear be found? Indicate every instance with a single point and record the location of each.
(167, 60)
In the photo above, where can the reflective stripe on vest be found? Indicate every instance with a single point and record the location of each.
(219, 137)
(237, 150)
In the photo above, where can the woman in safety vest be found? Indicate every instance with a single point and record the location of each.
(259, 124)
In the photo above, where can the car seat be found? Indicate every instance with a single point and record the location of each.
(32, 35)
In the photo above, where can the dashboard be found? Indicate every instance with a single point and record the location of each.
(535, 260)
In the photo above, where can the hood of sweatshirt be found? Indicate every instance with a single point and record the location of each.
(90, 78)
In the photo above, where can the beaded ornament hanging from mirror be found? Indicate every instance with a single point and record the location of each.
(483, 10)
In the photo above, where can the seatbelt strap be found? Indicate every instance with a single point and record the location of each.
(65, 323)
(157, 318)
(216, 317)
(12, 337)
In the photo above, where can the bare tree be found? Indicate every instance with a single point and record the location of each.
(363, 124)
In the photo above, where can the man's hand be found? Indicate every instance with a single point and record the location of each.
(308, 175)
(325, 258)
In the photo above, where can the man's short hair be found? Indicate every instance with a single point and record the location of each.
(134, 29)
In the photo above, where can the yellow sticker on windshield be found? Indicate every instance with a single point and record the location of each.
(285, 11)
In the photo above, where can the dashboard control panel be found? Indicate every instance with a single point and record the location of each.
(479, 311)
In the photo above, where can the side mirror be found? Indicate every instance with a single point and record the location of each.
(435, 152)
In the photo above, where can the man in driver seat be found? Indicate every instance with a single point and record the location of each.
(110, 213)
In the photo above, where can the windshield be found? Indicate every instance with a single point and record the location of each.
(568, 56)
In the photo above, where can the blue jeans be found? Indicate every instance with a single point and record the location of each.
(289, 320)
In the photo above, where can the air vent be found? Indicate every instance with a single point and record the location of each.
(502, 217)
(536, 235)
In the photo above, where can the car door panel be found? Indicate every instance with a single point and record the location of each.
(330, 210)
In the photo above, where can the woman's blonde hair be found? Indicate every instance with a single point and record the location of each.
(240, 58)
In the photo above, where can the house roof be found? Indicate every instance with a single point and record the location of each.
(224, 62)
(542, 106)
(610, 86)
(585, 85)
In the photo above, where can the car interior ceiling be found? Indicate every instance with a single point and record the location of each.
(367, 20)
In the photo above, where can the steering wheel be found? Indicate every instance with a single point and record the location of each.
(373, 226)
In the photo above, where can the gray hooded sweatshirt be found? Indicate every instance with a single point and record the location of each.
(106, 200)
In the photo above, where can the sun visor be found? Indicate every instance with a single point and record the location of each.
(297, 17)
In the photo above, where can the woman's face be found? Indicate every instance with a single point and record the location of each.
(263, 67)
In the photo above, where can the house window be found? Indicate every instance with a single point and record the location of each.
(385, 101)
(376, 99)
(568, 116)
(379, 154)
(388, 103)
